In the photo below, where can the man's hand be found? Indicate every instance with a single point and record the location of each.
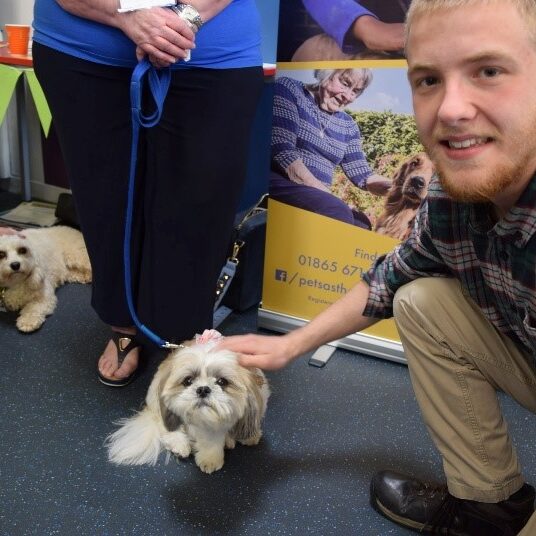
(379, 36)
(338, 320)
(264, 352)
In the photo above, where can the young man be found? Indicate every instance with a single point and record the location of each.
(462, 287)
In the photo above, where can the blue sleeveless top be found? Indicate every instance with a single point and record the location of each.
(231, 39)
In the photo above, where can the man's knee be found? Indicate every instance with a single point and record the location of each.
(423, 297)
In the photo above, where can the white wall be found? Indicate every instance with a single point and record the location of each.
(19, 12)
(16, 12)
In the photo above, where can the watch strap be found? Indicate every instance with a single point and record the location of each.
(190, 15)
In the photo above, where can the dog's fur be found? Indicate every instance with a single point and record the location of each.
(200, 401)
(33, 266)
(409, 189)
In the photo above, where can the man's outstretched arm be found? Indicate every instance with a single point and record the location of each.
(273, 352)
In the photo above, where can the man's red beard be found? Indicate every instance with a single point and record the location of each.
(484, 190)
(480, 188)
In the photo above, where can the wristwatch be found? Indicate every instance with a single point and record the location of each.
(190, 15)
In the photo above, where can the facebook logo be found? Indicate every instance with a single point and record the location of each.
(281, 275)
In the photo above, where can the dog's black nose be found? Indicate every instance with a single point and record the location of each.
(15, 266)
(203, 391)
(418, 182)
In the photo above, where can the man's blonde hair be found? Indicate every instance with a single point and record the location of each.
(526, 8)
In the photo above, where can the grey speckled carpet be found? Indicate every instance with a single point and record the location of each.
(327, 430)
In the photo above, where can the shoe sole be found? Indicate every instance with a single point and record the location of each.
(408, 523)
(381, 509)
(116, 383)
(124, 381)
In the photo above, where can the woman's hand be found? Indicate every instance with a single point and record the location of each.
(378, 185)
(261, 351)
(299, 173)
(378, 35)
(158, 33)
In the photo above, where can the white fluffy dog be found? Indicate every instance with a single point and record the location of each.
(200, 401)
(33, 266)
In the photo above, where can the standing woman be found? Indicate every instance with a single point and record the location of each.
(191, 166)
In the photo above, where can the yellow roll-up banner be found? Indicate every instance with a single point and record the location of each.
(312, 260)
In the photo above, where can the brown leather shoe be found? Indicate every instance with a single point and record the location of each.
(430, 508)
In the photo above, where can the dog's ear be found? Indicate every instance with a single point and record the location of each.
(401, 172)
(170, 420)
(394, 195)
(250, 424)
(37, 277)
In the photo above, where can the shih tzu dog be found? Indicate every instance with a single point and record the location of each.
(200, 402)
(33, 264)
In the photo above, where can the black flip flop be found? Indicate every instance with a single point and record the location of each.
(124, 343)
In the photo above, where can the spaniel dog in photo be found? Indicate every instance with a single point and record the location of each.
(33, 264)
(200, 402)
(409, 188)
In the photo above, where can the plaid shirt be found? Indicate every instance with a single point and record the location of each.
(495, 262)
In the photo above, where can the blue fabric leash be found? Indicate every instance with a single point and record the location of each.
(159, 80)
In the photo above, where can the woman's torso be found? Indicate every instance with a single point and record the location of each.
(321, 138)
(229, 40)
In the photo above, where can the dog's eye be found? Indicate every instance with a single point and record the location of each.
(22, 251)
(187, 381)
(222, 382)
(3, 255)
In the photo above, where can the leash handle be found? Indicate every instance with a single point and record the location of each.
(159, 81)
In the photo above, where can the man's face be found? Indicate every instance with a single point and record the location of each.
(473, 76)
(339, 91)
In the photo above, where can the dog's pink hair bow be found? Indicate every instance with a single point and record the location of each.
(211, 336)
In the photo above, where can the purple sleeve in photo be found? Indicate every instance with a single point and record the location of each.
(336, 17)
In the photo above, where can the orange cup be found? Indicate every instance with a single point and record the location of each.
(18, 36)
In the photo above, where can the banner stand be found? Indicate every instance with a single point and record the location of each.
(357, 342)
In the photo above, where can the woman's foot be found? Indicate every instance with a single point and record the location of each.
(120, 359)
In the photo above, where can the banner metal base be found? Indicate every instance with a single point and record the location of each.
(357, 342)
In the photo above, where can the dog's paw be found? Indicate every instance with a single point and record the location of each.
(177, 443)
(230, 442)
(253, 440)
(29, 323)
(209, 462)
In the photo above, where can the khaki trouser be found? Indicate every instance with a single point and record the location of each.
(457, 362)
(530, 527)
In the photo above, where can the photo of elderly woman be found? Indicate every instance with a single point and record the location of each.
(312, 136)
(332, 30)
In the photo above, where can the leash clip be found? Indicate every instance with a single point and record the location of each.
(171, 346)
(237, 246)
